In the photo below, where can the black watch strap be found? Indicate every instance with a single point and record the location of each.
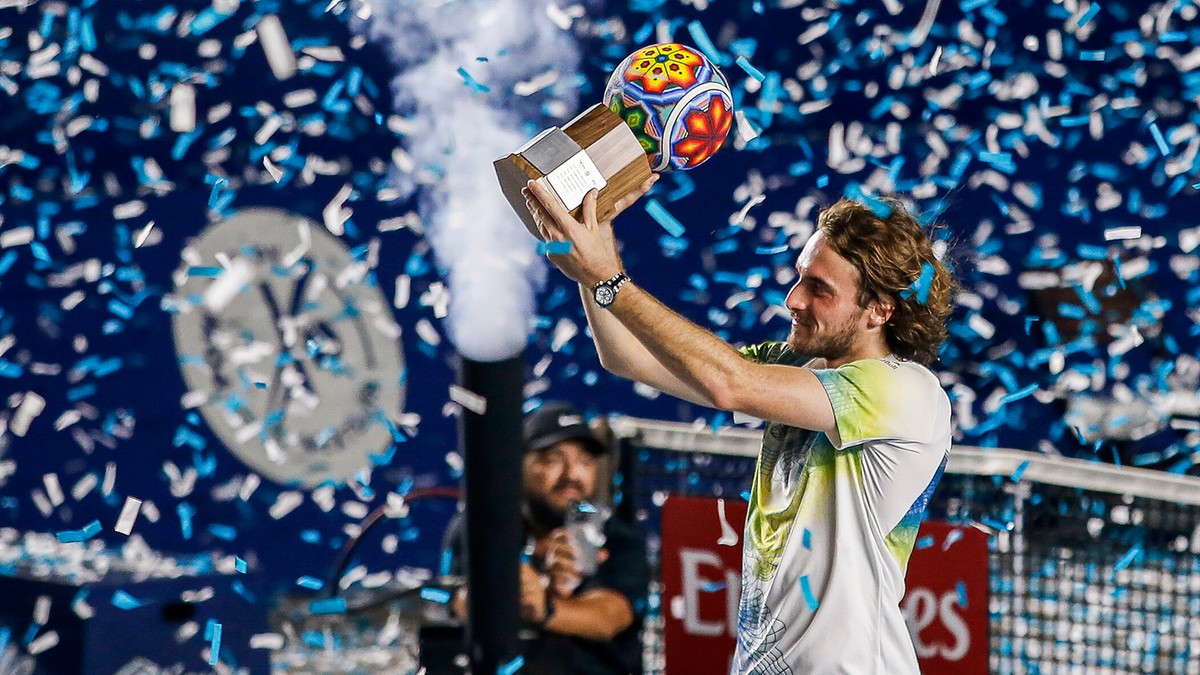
(605, 292)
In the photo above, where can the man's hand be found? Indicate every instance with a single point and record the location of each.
(562, 564)
(593, 256)
(458, 605)
(533, 595)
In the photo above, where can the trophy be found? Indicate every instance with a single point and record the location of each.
(665, 108)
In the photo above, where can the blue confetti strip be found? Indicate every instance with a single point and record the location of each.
(995, 524)
(554, 247)
(328, 606)
(1090, 14)
(921, 286)
(310, 582)
(750, 69)
(123, 600)
(1133, 554)
(436, 595)
(1020, 394)
(511, 667)
(90, 530)
(704, 44)
(665, 219)
(1159, 139)
(185, 512)
(470, 82)
(213, 634)
(1019, 471)
(809, 598)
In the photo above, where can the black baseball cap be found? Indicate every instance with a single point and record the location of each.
(558, 421)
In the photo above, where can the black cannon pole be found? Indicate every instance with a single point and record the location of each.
(492, 448)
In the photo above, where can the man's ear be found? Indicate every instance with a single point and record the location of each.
(880, 313)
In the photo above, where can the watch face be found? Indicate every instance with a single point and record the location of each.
(605, 296)
(287, 346)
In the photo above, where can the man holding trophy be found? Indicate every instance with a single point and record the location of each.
(858, 429)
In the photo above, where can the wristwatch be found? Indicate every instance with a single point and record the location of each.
(605, 292)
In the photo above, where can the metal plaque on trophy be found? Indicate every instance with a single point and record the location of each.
(594, 150)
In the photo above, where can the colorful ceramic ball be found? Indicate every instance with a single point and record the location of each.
(676, 101)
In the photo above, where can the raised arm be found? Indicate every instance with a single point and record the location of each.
(619, 350)
(622, 354)
(702, 364)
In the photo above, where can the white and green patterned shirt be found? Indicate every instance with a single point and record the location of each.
(833, 519)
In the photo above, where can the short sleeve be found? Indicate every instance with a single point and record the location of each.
(876, 399)
(772, 353)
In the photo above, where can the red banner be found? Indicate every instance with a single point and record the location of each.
(946, 599)
(946, 605)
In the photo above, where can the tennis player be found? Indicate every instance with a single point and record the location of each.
(858, 427)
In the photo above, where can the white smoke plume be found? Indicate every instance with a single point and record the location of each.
(454, 130)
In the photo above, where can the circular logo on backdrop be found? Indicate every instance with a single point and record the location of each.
(288, 347)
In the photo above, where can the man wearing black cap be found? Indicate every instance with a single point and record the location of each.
(584, 623)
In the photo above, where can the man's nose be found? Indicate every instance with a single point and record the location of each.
(796, 299)
(576, 470)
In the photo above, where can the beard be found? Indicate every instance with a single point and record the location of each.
(542, 514)
(542, 511)
(809, 340)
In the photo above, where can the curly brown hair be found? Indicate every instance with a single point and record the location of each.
(897, 265)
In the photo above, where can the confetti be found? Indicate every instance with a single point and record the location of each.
(280, 57)
(1159, 139)
(729, 536)
(1019, 472)
(468, 399)
(1019, 394)
(32, 405)
(123, 600)
(511, 667)
(437, 595)
(70, 536)
(705, 44)
(129, 514)
(664, 218)
(554, 247)
(809, 598)
(920, 287)
(43, 642)
(310, 583)
(212, 633)
(328, 606)
(982, 113)
(750, 70)
(470, 81)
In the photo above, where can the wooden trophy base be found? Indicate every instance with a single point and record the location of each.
(594, 150)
